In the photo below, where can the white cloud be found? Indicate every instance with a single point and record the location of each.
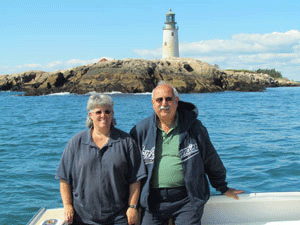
(219, 46)
(29, 66)
(49, 67)
(273, 39)
(74, 62)
(212, 59)
(279, 50)
(54, 64)
(156, 53)
(69, 63)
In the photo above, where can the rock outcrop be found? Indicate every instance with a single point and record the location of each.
(137, 76)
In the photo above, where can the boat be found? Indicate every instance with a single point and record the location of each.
(274, 208)
(48, 217)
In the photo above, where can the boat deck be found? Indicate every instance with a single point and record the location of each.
(252, 209)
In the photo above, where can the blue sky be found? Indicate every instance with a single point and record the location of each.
(234, 34)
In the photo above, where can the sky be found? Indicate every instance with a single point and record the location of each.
(233, 34)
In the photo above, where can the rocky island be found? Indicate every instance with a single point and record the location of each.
(138, 76)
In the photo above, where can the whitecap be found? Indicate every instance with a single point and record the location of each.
(60, 93)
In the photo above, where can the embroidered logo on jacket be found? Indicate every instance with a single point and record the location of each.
(148, 155)
(188, 152)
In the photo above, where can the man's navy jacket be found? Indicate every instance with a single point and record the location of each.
(199, 158)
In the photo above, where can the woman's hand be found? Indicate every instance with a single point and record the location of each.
(69, 213)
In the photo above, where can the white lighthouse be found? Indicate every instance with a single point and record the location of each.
(170, 37)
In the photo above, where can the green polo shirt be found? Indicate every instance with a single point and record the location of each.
(167, 170)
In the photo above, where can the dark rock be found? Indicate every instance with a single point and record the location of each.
(137, 76)
(187, 67)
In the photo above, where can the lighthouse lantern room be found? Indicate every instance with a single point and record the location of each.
(170, 37)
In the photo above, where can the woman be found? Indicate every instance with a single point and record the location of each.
(100, 170)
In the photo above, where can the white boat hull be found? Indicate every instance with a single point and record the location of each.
(252, 209)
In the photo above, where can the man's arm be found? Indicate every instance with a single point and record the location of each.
(134, 194)
(66, 196)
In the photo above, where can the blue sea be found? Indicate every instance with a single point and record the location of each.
(257, 135)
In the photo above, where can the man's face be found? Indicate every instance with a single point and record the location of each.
(164, 103)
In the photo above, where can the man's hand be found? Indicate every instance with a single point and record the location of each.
(233, 193)
(132, 216)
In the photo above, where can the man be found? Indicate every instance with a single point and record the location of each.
(179, 157)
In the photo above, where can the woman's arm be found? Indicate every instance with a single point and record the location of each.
(66, 196)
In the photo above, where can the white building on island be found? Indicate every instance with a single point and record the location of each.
(170, 37)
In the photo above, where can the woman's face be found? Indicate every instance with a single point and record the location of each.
(102, 117)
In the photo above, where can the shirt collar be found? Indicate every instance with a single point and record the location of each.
(114, 137)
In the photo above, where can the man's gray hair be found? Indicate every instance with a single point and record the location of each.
(165, 83)
(98, 100)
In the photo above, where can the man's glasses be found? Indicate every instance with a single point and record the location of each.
(99, 112)
(167, 99)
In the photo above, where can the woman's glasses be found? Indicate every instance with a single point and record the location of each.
(99, 112)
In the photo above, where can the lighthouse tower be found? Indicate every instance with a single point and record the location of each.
(170, 37)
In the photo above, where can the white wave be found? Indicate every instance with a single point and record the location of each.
(113, 93)
(144, 93)
(117, 93)
(106, 93)
(60, 93)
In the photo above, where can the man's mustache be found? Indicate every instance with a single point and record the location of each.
(164, 108)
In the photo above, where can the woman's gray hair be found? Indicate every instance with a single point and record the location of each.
(165, 83)
(98, 100)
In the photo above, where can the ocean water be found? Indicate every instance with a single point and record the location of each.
(257, 135)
